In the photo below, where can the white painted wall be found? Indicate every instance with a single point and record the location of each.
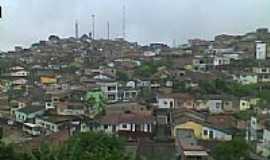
(260, 50)
(217, 135)
(165, 103)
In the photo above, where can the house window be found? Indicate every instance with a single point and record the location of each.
(205, 132)
(243, 104)
(264, 70)
(124, 126)
(148, 127)
(47, 126)
(171, 104)
(106, 126)
(218, 105)
(111, 88)
(165, 103)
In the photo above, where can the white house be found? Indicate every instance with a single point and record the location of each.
(211, 133)
(218, 60)
(21, 73)
(232, 55)
(260, 50)
(261, 70)
(150, 54)
(127, 94)
(165, 103)
(245, 79)
(215, 106)
(102, 77)
(70, 108)
(131, 84)
(26, 113)
(16, 68)
(54, 123)
(110, 90)
(127, 122)
(211, 105)
(263, 73)
(20, 81)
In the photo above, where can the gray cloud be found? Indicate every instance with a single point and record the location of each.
(27, 21)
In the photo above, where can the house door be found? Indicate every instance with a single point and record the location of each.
(137, 128)
(114, 128)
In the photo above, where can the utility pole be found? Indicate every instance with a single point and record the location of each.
(108, 30)
(93, 25)
(124, 21)
(76, 30)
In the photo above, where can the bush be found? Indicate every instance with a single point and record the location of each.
(232, 88)
(237, 149)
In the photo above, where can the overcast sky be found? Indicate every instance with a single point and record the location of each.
(27, 21)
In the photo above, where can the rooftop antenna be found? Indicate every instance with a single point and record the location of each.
(124, 21)
(108, 30)
(93, 25)
(76, 30)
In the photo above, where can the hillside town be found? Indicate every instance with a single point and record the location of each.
(180, 102)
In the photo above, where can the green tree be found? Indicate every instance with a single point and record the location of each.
(96, 101)
(83, 146)
(220, 86)
(122, 76)
(7, 152)
(181, 87)
(265, 97)
(147, 69)
(208, 87)
(237, 149)
(94, 146)
(147, 95)
(244, 115)
(45, 152)
(3, 66)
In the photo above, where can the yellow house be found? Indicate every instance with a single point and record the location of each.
(48, 80)
(196, 127)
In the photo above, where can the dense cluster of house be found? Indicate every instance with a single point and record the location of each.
(65, 86)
